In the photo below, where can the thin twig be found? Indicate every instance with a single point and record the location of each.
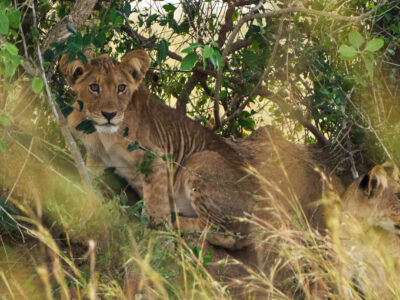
(353, 168)
(87, 181)
(22, 35)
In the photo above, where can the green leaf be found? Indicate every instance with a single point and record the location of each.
(162, 50)
(132, 147)
(126, 131)
(4, 3)
(4, 23)
(216, 59)
(369, 65)
(10, 48)
(251, 59)
(191, 47)
(145, 166)
(86, 39)
(174, 25)
(150, 20)
(246, 121)
(4, 121)
(48, 55)
(82, 57)
(112, 15)
(11, 63)
(347, 52)
(356, 39)
(196, 251)
(168, 158)
(222, 94)
(189, 61)
(118, 20)
(60, 48)
(169, 8)
(298, 127)
(207, 51)
(374, 45)
(73, 47)
(79, 39)
(235, 15)
(80, 103)
(2, 146)
(207, 259)
(86, 126)
(13, 17)
(37, 85)
(127, 8)
(67, 110)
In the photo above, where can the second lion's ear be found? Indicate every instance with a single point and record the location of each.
(374, 182)
(368, 184)
(137, 62)
(71, 70)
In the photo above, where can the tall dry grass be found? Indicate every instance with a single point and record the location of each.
(294, 260)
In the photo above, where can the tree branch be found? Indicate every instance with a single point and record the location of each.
(78, 16)
(240, 44)
(246, 2)
(284, 11)
(183, 98)
(228, 25)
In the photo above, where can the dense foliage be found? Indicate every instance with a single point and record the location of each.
(330, 76)
(230, 65)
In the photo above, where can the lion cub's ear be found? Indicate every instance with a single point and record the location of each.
(137, 62)
(71, 70)
(375, 181)
(391, 170)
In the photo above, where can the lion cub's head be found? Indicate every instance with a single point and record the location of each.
(375, 198)
(105, 86)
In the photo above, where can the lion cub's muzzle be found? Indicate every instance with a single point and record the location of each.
(107, 122)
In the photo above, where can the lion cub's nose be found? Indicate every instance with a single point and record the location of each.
(109, 115)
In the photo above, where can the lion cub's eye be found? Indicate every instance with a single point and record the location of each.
(397, 195)
(121, 88)
(94, 87)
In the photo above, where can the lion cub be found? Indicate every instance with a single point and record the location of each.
(174, 163)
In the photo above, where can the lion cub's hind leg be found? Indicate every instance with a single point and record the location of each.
(219, 193)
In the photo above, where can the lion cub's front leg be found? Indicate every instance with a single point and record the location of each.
(219, 192)
(155, 192)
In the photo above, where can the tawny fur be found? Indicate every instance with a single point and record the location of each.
(207, 183)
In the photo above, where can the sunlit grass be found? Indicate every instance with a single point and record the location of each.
(60, 242)
(130, 261)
